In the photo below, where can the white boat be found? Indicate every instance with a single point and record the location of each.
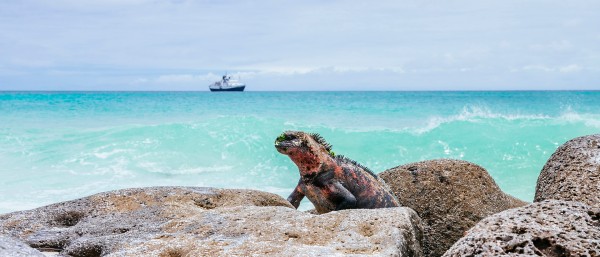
(227, 84)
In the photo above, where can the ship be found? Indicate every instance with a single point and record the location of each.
(227, 84)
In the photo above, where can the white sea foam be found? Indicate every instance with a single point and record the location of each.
(570, 116)
(469, 113)
(222, 141)
(19, 205)
(447, 150)
(104, 155)
(44, 196)
(154, 167)
(474, 114)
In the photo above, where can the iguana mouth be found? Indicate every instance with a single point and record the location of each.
(287, 140)
(284, 144)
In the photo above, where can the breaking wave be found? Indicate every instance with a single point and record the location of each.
(51, 153)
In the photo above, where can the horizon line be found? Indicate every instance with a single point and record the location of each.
(299, 91)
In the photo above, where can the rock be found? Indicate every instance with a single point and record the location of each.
(178, 221)
(572, 173)
(548, 228)
(276, 231)
(101, 222)
(450, 196)
(10, 247)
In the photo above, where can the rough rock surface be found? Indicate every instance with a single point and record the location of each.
(284, 232)
(548, 228)
(572, 173)
(10, 247)
(178, 221)
(450, 196)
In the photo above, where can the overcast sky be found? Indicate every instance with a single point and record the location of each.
(300, 45)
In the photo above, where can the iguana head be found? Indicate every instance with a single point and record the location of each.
(307, 151)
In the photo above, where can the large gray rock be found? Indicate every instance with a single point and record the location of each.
(276, 231)
(10, 247)
(572, 173)
(450, 196)
(176, 221)
(101, 223)
(548, 228)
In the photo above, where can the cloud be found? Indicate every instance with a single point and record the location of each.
(574, 22)
(570, 68)
(538, 68)
(262, 74)
(544, 68)
(175, 44)
(553, 46)
(185, 78)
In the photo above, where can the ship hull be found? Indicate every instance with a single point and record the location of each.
(231, 89)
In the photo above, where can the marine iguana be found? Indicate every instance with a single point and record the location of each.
(331, 182)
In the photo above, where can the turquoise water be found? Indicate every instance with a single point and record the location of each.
(64, 145)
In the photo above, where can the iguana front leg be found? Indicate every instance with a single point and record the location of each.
(297, 195)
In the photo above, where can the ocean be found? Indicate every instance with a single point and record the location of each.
(57, 146)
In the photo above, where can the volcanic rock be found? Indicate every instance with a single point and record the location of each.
(572, 173)
(450, 196)
(10, 247)
(548, 228)
(179, 221)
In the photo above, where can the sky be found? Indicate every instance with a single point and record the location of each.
(300, 45)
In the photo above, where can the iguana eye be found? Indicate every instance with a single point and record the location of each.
(284, 137)
(280, 138)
